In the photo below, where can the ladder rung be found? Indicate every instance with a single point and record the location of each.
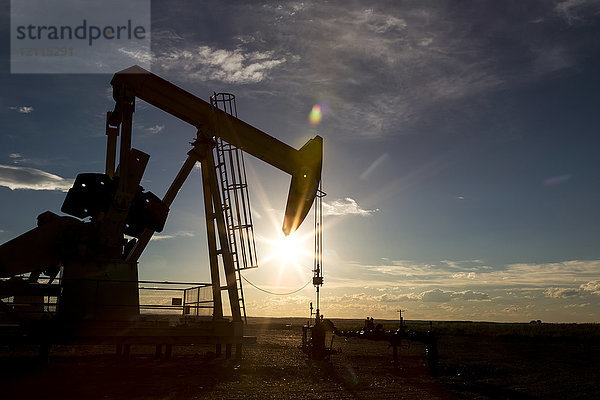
(242, 226)
(234, 186)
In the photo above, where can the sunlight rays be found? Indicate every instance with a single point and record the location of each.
(287, 261)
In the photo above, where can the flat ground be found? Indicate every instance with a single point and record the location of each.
(477, 361)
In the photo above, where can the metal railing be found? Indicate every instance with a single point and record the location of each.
(154, 297)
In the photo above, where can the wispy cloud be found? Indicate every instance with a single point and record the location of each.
(438, 295)
(18, 158)
(561, 293)
(428, 296)
(347, 206)
(173, 235)
(21, 159)
(554, 279)
(391, 66)
(582, 305)
(202, 63)
(22, 109)
(165, 35)
(155, 129)
(556, 180)
(140, 56)
(15, 177)
(574, 11)
(378, 70)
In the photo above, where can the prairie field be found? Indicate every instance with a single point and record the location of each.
(476, 361)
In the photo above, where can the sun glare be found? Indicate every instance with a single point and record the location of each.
(288, 249)
(289, 254)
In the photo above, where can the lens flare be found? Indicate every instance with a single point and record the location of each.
(315, 115)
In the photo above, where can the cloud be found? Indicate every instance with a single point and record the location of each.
(169, 35)
(390, 68)
(22, 109)
(471, 275)
(464, 275)
(582, 305)
(347, 206)
(18, 158)
(514, 309)
(561, 293)
(591, 286)
(140, 56)
(556, 180)
(33, 179)
(380, 71)
(155, 129)
(429, 296)
(380, 23)
(470, 295)
(174, 235)
(576, 11)
(442, 296)
(544, 274)
(436, 295)
(203, 63)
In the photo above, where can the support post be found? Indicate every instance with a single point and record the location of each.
(209, 214)
(209, 171)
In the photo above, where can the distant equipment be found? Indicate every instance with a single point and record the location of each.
(396, 339)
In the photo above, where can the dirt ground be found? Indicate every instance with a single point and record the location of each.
(471, 367)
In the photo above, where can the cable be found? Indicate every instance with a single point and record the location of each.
(277, 294)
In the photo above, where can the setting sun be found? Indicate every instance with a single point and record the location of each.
(288, 249)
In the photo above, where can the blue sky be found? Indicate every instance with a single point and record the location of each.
(461, 149)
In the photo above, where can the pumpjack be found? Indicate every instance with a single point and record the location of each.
(93, 251)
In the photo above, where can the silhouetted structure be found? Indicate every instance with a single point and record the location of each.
(96, 296)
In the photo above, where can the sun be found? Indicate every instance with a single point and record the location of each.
(288, 249)
(289, 254)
